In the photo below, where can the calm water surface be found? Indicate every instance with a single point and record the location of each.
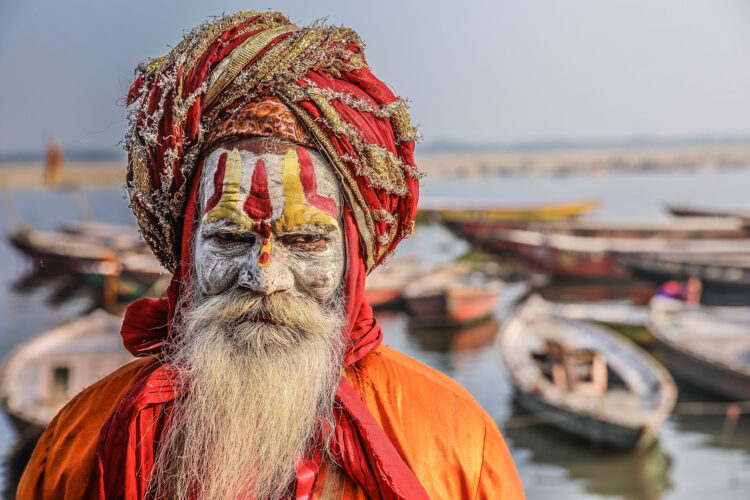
(696, 457)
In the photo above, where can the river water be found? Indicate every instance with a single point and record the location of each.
(695, 457)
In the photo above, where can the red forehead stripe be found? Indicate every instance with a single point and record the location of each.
(258, 202)
(307, 177)
(218, 183)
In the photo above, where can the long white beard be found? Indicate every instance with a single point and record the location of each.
(252, 395)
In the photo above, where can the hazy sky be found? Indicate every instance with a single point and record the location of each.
(492, 71)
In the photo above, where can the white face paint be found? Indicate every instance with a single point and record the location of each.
(270, 221)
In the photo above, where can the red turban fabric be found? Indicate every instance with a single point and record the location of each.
(319, 73)
(185, 101)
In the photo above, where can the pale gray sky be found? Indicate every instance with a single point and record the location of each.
(479, 71)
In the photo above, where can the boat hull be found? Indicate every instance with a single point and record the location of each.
(383, 298)
(722, 285)
(704, 374)
(452, 307)
(597, 431)
(566, 264)
(510, 213)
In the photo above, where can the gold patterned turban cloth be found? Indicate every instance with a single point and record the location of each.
(257, 74)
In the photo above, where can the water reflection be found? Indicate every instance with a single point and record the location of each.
(702, 413)
(15, 460)
(640, 475)
(454, 339)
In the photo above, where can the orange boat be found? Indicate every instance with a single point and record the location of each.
(386, 283)
(452, 295)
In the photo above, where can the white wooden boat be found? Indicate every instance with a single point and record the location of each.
(625, 318)
(608, 313)
(42, 374)
(638, 397)
(706, 346)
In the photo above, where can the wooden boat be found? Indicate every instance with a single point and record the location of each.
(725, 278)
(140, 268)
(469, 209)
(39, 376)
(386, 283)
(118, 235)
(70, 252)
(637, 292)
(613, 312)
(451, 295)
(639, 393)
(480, 230)
(623, 317)
(576, 256)
(691, 210)
(706, 346)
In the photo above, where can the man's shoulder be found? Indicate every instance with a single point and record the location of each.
(438, 428)
(63, 462)
(96, 402)
(385, 369)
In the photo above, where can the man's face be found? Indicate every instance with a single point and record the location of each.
(270, 221)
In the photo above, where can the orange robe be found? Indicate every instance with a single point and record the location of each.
(451, 444)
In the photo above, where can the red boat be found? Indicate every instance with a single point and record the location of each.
(576, 256)
(480, 231)
(690, 210)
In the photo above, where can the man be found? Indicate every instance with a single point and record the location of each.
(270, 171)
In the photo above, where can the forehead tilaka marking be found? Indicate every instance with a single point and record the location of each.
(303, 205)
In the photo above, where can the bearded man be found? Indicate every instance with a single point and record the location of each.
(270, 171)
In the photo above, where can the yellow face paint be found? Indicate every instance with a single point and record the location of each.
(228, 207)
(297, 212)
(300, 196)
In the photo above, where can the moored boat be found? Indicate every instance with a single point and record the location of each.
(693, 210)
(470, 209)
(725, 278)
(625, 318)
(706, 346)
(40, 375)
(69, 251)
(598, 257)
(479, 230)
(386, 283)
(118, 235)
(587, 380)
(452, 295)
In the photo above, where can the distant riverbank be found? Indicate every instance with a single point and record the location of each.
(78, 174)
(19, 175)
(595, 161)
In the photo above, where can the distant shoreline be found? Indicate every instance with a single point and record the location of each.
(19, 175)
(75, 174)
(593, 161)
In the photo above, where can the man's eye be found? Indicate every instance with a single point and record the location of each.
(233, 238)
(306, 242)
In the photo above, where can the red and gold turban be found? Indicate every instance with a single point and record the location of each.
(257, 74)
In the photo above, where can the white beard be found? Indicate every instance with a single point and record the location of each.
(251, 396)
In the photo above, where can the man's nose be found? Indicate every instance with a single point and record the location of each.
(274, 276)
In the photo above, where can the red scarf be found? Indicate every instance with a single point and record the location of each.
(128, 441)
